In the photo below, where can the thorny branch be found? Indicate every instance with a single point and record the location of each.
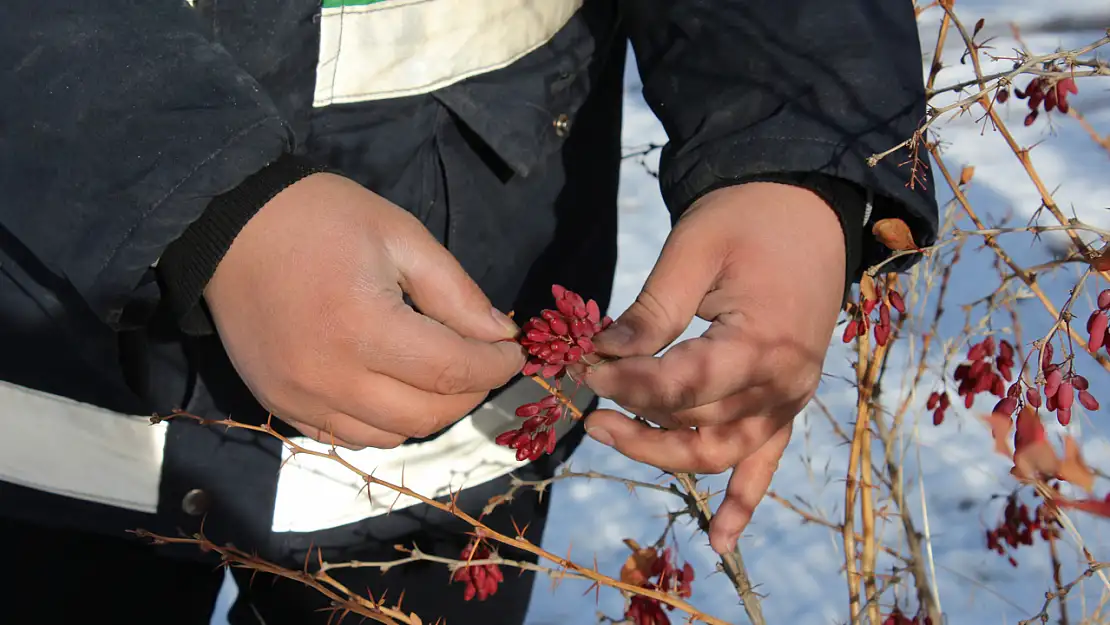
(1062, 592)
(481, 528)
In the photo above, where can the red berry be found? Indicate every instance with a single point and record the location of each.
(1104, 300)
(1087, 400)
(882, 333)
(1033, 396)
(1046, 357)
(1053, 382)
(1005, 351)
(1096, 327)
(850, 331)
(998, 387)
(1063, 415)
(1006, 407)
(1064, 396)
(896, 301)
(1050, 100)
(934, 399)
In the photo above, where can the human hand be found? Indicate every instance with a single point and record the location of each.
(308, 304)
(765, 264)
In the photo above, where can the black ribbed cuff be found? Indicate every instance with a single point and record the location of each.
(188, 264)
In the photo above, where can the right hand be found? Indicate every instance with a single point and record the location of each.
(308, 304)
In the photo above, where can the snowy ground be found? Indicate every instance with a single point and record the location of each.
(797, 566)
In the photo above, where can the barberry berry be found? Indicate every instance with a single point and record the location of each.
(481, 580)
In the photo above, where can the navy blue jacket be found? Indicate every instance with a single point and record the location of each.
(137, 131)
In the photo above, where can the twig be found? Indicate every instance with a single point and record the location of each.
(542, 485)
(451, 508)
(732, 562)
(344, 601)
(1061, 592)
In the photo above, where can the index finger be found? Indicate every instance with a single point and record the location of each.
(712, 449)
(695, 372)
(425, 354)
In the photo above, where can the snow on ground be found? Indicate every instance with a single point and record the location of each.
(798, 566)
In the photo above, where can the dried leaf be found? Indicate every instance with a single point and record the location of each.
(1034, 457)
(894, 233)
(1073, 469)
(1000, 425)
(1090, 506)
(1101, 260)
(1036, 461)
(867, 288)
(637, 568)
(1029, 429)
(966, 174)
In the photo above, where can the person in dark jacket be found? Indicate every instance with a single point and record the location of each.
(322, 210)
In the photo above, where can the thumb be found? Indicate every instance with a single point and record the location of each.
(442, 289)
(684, 273)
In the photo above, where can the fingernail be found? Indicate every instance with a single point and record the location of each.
(503, 320)
(616, 335)
(601, 436)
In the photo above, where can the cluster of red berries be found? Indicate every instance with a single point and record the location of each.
(938, 402)
(1097, 324)
(861, 320)
(1043, 91)
(989, 366)
(1062, 389)
(897, 617)
(536, 436)
(1020, 526)
(561, 337)
(555, 339)
(481, 580)
(668, 578)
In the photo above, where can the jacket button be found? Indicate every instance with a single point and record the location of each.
(562, 125)
(196, 502)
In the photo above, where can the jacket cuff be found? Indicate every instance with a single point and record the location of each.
(188, 264)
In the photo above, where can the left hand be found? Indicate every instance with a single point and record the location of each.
(765, 264)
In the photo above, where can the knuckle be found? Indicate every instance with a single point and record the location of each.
(675, 394)
(656, 312)
(712, 459)
(454, 377)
